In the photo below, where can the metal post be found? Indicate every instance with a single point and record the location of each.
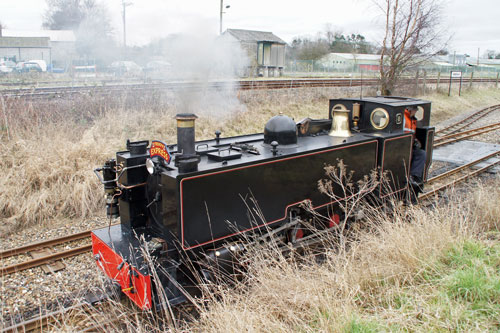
(496, 85)
(221, 12)
(449, 88)
(125, 5)
(460, 88)
(425, 80)
(437, 84)
(416, 83)
(220, 20)
(471, 77)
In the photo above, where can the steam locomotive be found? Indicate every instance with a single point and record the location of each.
(199, 198)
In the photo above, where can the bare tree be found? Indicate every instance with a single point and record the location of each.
(411, 35)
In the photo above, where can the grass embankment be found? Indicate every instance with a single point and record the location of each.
(48, 150)
(410, 269)
(444, 107)
(416, 270)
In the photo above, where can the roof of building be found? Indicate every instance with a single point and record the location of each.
(442, 63)
(356, 56)
(254, 36)
(54, 35)
(482, 61)
(24, 42)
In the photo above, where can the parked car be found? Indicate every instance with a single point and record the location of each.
(6, 66)
(119, 68)
(41, 63)
(158, 66)
(27, 67)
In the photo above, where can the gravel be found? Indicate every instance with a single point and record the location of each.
(24, 293)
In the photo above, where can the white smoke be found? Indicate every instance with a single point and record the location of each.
(204, 59)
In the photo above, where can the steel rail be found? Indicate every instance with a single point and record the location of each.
(490, 128)
(471, 119)
(479, 114)
(439, 189)
(176, 86)
(51, 242)
(460, 168)
(43, 260)
(450, 136)
(41, 322)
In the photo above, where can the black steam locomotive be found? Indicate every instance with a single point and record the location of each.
(190, 198)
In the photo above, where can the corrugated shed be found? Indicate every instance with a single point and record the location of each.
(24, 41)
(254, 36)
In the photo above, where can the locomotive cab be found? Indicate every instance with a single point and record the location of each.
(383, 117)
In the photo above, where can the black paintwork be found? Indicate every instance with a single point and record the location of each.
(132, 202)
(395, 106)
(240, 184)
(216, 203)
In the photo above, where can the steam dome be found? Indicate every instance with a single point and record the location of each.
(281, 129)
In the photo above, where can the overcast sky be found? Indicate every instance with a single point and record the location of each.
(473, 24)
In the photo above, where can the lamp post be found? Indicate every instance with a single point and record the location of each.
(222, 12)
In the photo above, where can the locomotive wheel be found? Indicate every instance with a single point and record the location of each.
(334, 221)
(295, 234)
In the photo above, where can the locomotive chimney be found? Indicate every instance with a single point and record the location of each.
(186, 159)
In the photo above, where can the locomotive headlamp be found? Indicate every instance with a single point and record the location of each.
(150, 165)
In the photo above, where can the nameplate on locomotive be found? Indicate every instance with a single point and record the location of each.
(159, 149)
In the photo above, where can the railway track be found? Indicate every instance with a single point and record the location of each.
(451, 138)
(80, 313)
(464, 172)
(60, 92)
(45, 259)
(459, 125)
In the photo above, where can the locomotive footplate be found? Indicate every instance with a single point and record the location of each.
(121, 254)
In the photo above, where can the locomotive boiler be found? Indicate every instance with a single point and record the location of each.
(200, 198)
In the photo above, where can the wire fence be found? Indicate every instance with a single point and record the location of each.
(371, 69)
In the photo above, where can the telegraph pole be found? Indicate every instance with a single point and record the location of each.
(125, 5)
(220, 20)
(221, 12)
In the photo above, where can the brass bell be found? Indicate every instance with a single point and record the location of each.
(340, 122)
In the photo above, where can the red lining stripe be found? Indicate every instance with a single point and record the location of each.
(426, 170)
(255, 165)
(382, 166)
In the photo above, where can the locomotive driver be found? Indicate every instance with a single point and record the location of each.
(418, 155)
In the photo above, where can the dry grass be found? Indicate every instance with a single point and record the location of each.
(444, 107)
(410, 269)
(361, 287)
(48, 150)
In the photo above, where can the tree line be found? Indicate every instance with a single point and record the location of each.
(309, 48)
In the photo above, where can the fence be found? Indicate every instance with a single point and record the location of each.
(316, 67)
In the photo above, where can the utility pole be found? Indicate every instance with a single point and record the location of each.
(221, 12)
(125, 5)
